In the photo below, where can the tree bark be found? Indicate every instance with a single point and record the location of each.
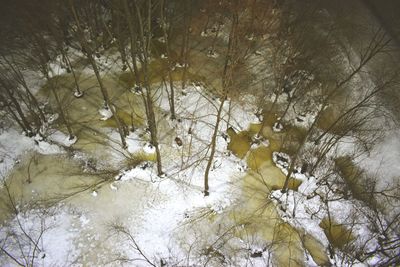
(226, 83)
(106, 98)
(169, 63)
(145, 43)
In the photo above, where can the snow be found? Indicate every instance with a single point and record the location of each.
(62, 139)
(212, 54)
(161, 39)
(133, 142)
(52, 118)
(114, 186)
(156, 234)
(14, 145)
(179, 65)
(277, 127)
(149, 148)
(57, 67)
(175, 198)
(145, 174)
(305, 208)
(384, 159)
(303, 120)
(78, 94)
(204, 33)
(181, 188)
(56, 243)
(108, 62)
(84, 220)
(157, 212)
(136, 89)
(281, 160)
(46, 148)
(106, 113)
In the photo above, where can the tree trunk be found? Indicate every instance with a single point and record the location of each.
(21, 80)
(61, 110)
(376, 46)
(171, 82)
(89, 54)
(107, 101)
(78, 92)
(129, 21)
(226, 83)
(19, 122)
(185, 45)
(213, 146)
(21, 114)
(145, 43)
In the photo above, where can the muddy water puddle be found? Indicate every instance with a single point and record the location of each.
(45, 180)
(54, 177)
(338, 234)
(91, 202)
(356, 181)
(257, 212)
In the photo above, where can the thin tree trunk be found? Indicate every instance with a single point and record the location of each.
(21, 80)
(171, 82)
(35, 103)
(135, 70)
(377, 44)
(61, 110)
(213, 146)
(264, 121)
(226, 83)
(21, 114)
(129, 21)
(348, 112)
(285, 111)
(19, 122)
(186, 47)
(151, 120)
(78, 92)
(107, 102)
(26, 101)
(215, 37)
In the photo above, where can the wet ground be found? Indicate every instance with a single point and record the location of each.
(92, 189)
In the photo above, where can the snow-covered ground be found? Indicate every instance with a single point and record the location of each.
(136, 218)
(14, 145)
(164, 203)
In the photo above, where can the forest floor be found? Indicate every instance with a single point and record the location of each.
(88, 202)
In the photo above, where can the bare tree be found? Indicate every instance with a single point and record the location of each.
(143, 16)
(230, 61)
(21, 244)
(8, 99)
(377, 45)
(43, 66)
(165, 26)
(89, 45)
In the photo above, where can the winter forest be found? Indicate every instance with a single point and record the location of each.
(199, 133)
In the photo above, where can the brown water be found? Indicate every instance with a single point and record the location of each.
(46, 180)
(58, 177)
(355, 180)
(338, 235)
(258, 213)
